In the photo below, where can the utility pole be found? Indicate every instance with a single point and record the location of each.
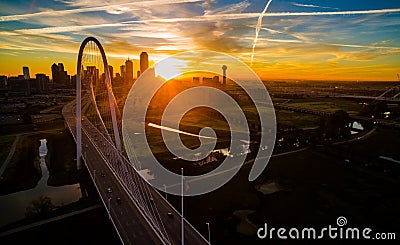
(109, 207)
(165, 190)
(209, 235)
(183, 224)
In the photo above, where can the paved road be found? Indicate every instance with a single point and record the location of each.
(364, 136)
(126, 219)
(10, 155)
(42, 222)
(130, 227)
(129, 221)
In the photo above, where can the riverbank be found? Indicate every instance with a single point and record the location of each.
(91, 227)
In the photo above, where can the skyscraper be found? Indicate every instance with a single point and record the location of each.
(60, 67)
(111, 71)
(25, 70)
(129, 70)
(215, 80)
(3, 82)
(42, 82)
(144, 62)
(54, 73)
(123, 71)
(92, 74)
(60, 76)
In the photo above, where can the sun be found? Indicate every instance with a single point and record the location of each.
(170, 68)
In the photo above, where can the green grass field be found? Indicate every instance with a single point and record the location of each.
(296, 119)
(327, 104)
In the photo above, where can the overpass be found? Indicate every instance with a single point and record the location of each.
(395, 98)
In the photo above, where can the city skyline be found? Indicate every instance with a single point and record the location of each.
(308, 39)
(90, 160)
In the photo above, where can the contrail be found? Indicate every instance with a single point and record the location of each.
(312, 6)
(258, 27)
(204, 18)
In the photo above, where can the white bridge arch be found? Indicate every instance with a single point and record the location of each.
(111, 99)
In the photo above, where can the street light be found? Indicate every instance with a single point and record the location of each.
(209, 237)
(85, 157)
(182, 222)
(165, 190)
(109, 207)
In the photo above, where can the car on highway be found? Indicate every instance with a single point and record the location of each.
(119, 200)
(109, 190)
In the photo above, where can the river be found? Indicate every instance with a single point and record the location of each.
(13, 206)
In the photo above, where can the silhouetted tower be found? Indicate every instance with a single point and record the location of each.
(25, 70)
(224, 67)
(59, 75)
(129, 70)
(144, 62)
(60, 67)
(54, 73)
(123, 71)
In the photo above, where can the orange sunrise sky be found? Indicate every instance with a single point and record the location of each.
(307, 40)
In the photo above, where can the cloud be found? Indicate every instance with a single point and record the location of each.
(38, 43)
(330, 44)
(101, 6)
(289, 39)
(208, 31)
(208, 4)
(363, 55)
(207, 17)
(199, 18)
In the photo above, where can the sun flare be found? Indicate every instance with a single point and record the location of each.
(170, 69)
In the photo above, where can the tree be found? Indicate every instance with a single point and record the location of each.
(376, 110)
(336, 125)
(380, 108)
(40, 207)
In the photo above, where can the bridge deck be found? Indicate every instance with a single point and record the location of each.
(127, 218)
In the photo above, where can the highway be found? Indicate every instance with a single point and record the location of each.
(129, 214)
(10, 155)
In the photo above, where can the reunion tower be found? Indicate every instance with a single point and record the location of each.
(224, 67)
